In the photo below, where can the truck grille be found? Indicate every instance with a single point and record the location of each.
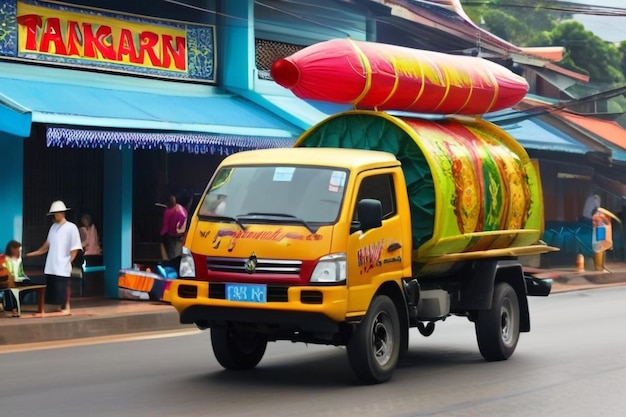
(263, 266)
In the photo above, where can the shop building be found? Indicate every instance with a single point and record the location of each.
(112, 105)
(112, 110)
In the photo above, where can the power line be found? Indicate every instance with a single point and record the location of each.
(296, 16)
(558, 6)
(514, 115)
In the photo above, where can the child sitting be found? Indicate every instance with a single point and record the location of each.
(13, 264)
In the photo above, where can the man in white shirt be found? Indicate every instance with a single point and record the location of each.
(62, 245)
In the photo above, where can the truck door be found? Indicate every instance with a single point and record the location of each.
(374, 255)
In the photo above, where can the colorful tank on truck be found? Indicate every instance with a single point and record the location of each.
(372, 224)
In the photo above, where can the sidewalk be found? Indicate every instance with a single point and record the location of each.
(570, 279)
(97, 317)
(90, 317)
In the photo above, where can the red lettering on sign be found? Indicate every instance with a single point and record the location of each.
(94, 42)
(86, 40)
(32, 23)
(147, 42)
(74, 39)
(178, 52)
(52, 34)
(126, 47)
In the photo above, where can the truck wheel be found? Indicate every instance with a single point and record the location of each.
(374, 347)
(237, 350)
(497, 330)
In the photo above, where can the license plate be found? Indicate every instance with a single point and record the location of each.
(249, 293)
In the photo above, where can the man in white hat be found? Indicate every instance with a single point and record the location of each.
(62, 246)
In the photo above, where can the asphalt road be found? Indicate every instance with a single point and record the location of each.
(573, 363)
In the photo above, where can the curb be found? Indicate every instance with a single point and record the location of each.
(573, 281)
(592, 277)
(35, 330)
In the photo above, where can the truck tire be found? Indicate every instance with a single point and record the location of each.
(497, 329)
(374, 347)
(237, 350)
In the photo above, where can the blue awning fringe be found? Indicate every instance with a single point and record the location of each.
(197, 143)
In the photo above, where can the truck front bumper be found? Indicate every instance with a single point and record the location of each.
(310, 308)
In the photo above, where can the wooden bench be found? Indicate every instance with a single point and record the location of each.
(39, 289)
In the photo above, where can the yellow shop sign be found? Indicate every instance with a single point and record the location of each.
(96, 37)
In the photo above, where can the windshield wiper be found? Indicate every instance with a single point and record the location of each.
(289, 217)
(225, 218)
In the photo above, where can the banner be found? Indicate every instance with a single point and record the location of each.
(60, 34)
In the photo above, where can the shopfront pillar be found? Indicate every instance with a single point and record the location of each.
(11, 188)
(118, 216)
(237, 44)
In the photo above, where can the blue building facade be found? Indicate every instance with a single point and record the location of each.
(112, 105)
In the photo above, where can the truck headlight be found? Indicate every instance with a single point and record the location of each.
(187, 266)
(330, 269)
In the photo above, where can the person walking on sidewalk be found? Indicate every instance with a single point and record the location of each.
(62, 245)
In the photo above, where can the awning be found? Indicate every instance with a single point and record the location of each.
(67, 98)
(536, 134)
(302, 113)
(284, 104)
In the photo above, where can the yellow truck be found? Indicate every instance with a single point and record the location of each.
(372, 224)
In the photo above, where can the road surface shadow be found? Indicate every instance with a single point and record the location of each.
(331, 369)
(424, 357)
(326, 369)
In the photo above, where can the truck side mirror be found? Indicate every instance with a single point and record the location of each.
(370, 214)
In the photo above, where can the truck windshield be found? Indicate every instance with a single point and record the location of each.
(283, 194)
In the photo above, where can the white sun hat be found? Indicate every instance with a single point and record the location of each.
(57, 207)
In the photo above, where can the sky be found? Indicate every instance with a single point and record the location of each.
(609, 28)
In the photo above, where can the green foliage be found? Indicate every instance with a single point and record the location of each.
(531, 23)
(617, 104)
(601, 60)
(528, 14)
(511, 28)
(622, 49)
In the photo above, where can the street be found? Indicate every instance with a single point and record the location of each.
(572, 363)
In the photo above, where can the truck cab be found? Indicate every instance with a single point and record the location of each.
(289, 235)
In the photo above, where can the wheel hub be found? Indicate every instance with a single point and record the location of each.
(505, 322)
(382, 339)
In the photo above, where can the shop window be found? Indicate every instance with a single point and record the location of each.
(267, 52)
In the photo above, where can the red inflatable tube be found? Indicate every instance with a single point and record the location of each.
(387, 77)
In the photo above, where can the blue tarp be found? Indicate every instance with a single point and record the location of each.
(536, 134)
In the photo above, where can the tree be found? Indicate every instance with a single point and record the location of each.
(529, 14)
(602, 61)
(622, 49)
(532, 23)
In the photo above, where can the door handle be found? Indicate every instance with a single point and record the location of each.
(393, 247)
